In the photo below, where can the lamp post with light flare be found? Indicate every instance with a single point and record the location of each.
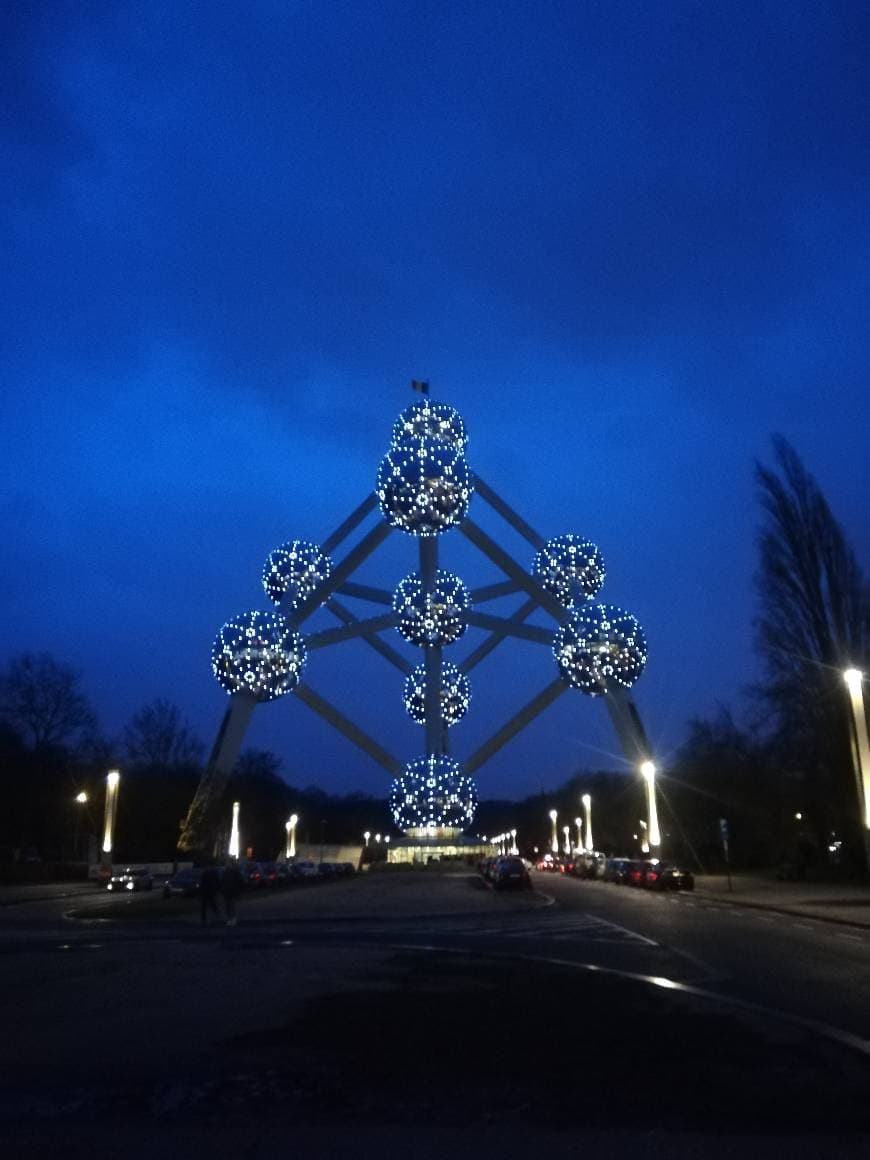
(587, 809)
(554, 841)
(113, 779)
(854, 679)
(648, 771)
(290, 826)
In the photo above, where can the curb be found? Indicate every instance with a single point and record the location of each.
(730, 900)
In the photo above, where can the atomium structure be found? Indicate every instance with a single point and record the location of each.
(423, 489)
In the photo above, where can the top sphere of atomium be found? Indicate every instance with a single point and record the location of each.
(571, 568)
(427, 420)
(424, 486)
(258, 653)
(599, 646)
(293, 571)
(431, 618)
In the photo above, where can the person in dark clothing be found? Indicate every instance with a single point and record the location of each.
(231, 887)
(209, 889)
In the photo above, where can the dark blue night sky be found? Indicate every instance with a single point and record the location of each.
(628, 241)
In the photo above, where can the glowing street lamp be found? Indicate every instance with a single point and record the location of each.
(235, 841)
(587, 808)
(566, 834)
(113, 777)
(648, 770)
(82, 798)
(854, 679)
(514, 847)
(554, 841)
(644, 844)
(578, 822)
(290, 827)
(366, 836)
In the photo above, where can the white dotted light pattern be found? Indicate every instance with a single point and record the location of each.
(600, 646)
(431, 618)
(571, 568)
(454, 694)
(433, 792)
(295, 569)
(260, 654)
(424, 487)
(428, 420)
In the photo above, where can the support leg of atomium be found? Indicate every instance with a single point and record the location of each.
(198, 827)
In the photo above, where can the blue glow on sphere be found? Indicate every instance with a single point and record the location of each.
(599, 646)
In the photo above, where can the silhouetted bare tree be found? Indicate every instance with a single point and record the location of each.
(814, 622)
(42, 699)
(159, 736)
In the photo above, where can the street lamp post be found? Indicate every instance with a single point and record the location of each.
(648, 770)
(554, 841)
(578, 822)
(566, 834)
(854, 679)
(514, 847)
(290, 826)
(366, 836)
(235, 840)
(113, 778)
(644, 843)
(587, 808)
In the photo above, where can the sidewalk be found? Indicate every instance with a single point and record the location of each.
(842, 903)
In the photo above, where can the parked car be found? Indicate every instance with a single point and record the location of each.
(184, 884)
(511, 872)
(637, 872)
(616, 870)
(252, 873)
(133, 878)
(304, 870)
(667, 876)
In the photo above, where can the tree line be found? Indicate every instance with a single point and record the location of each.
(783, 777)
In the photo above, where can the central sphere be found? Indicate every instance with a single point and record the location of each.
(427, 420)
(454, 693)
(424, 487)
(258, 653)
(293, 571)
(431, 618)
(600, 645)
(433, 793)
(571, 568)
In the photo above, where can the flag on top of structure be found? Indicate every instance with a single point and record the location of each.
(416, 385)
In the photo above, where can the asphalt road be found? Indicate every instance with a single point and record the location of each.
(131, 1025)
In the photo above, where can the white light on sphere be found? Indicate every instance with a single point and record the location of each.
(429, 420)
(258, 653)
(431, 618)
(424, 487)
(295, 569)
(600, 646)
(571, 568)
(454, 693)
(433, 792)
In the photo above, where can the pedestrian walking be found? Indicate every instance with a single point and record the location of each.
(231, 887)
(209, 888)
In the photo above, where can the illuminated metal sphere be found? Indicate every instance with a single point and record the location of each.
(296, 568)
(428, 420)
(600, 646)
(258, 653)
(433, 792)
(424, 487)
(454, 694)
(431, 618)
(571, 568)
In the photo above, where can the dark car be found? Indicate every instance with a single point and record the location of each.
(667, 876)
(511, 872)
(252, 873)
(637, 872)
(133, 878)
(184, 884)
(616, 870)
